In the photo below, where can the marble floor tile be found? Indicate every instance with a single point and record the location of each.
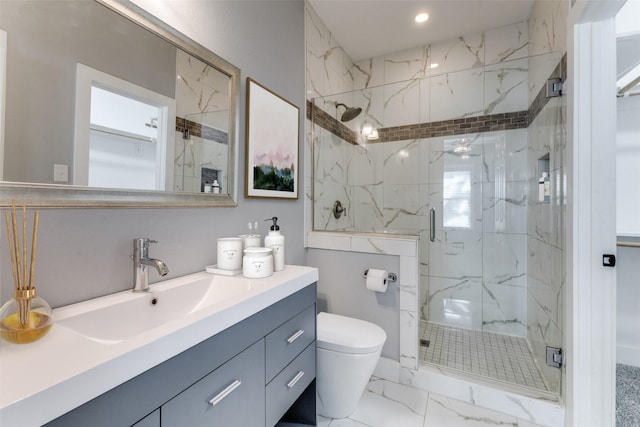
(413, 399)
(442, 411)
(388, 404)
(342, 422)
(378, 411)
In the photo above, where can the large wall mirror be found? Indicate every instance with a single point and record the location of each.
(106, 106)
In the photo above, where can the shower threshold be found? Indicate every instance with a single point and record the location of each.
(500, 357)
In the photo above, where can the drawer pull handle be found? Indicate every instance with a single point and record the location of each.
(224, 393)
(295, 379)
(295, 336)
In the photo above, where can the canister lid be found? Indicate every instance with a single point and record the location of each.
(254, 250)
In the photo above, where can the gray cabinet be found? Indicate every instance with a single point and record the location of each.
(223, 395)
(289, 384)
(289, 340)
(255, 373)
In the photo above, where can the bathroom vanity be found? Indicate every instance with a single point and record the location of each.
(257, 371)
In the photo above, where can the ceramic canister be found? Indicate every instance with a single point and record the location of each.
(230, 253)
(257, 262)
(250, 240)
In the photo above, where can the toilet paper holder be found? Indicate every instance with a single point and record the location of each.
(391, 277)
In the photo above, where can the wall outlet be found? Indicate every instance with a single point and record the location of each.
(60, 173)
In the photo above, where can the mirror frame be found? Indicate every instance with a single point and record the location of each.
(69, 196)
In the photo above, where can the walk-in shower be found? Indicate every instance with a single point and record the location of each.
(457, 163)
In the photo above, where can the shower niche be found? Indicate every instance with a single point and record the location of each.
(544, 179)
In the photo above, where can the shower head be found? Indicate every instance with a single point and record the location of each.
(350, 112)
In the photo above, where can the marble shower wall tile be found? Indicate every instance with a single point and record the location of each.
(504, 309)
(401, 103)
(366, 164)
(461, 153)
(505, 152)
(505, 207)
(372, 103)
(331, 157)
(456, 302)
(329, 68)
(368, 73)
(401, 207)
(505, 87)
(456, 254)
(368, 207)
(199, 87)
(543, 332)
(548, 27)
(461, 53)
(401, 161)
(178, 163)
(457, 95)
(325, 195)
(409, 64)
(504, 258)
(423, 312)
(507, 43)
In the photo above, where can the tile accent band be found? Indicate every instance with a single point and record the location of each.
(202, 131)
(460, 126)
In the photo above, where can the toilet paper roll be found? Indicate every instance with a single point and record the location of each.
(377, 280)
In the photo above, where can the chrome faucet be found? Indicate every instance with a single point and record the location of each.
(141, 261)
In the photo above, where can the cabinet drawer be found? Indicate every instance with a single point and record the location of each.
(223, 396)
(289, 384)
(288, 340)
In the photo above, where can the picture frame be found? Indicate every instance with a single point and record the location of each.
(272, 144)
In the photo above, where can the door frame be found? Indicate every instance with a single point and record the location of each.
(591, 295)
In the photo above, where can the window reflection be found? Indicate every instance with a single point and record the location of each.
(456, 211)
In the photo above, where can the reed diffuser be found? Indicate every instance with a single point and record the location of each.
(26, 317)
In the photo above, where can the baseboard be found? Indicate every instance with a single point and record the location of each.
(627, 355)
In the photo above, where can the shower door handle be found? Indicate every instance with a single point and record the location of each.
(432, 222)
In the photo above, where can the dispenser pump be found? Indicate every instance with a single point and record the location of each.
(274, 226)
(275, 241)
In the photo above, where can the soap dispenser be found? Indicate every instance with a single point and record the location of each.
(275, 241)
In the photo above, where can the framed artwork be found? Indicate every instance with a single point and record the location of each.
(273, 129)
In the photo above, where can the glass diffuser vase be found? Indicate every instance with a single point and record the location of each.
(25, 318)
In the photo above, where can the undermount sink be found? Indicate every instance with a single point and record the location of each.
(118, 317)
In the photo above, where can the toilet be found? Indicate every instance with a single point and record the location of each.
(348, 351)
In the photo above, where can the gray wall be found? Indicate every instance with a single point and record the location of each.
(628, 304)
(84, 253)
(341, 290)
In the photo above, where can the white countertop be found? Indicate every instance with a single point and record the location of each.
(48, 378)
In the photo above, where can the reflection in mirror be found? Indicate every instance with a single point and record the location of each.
(184, 139)
(123, 134)
(203, 111)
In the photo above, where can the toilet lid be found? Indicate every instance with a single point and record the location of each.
(348, 335)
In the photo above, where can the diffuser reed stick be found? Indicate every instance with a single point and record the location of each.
(23, 274)
(34, 242)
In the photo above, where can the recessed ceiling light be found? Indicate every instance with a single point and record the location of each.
(422, 17)
(434, 65)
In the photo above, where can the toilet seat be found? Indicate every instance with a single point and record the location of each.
(348, 335)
